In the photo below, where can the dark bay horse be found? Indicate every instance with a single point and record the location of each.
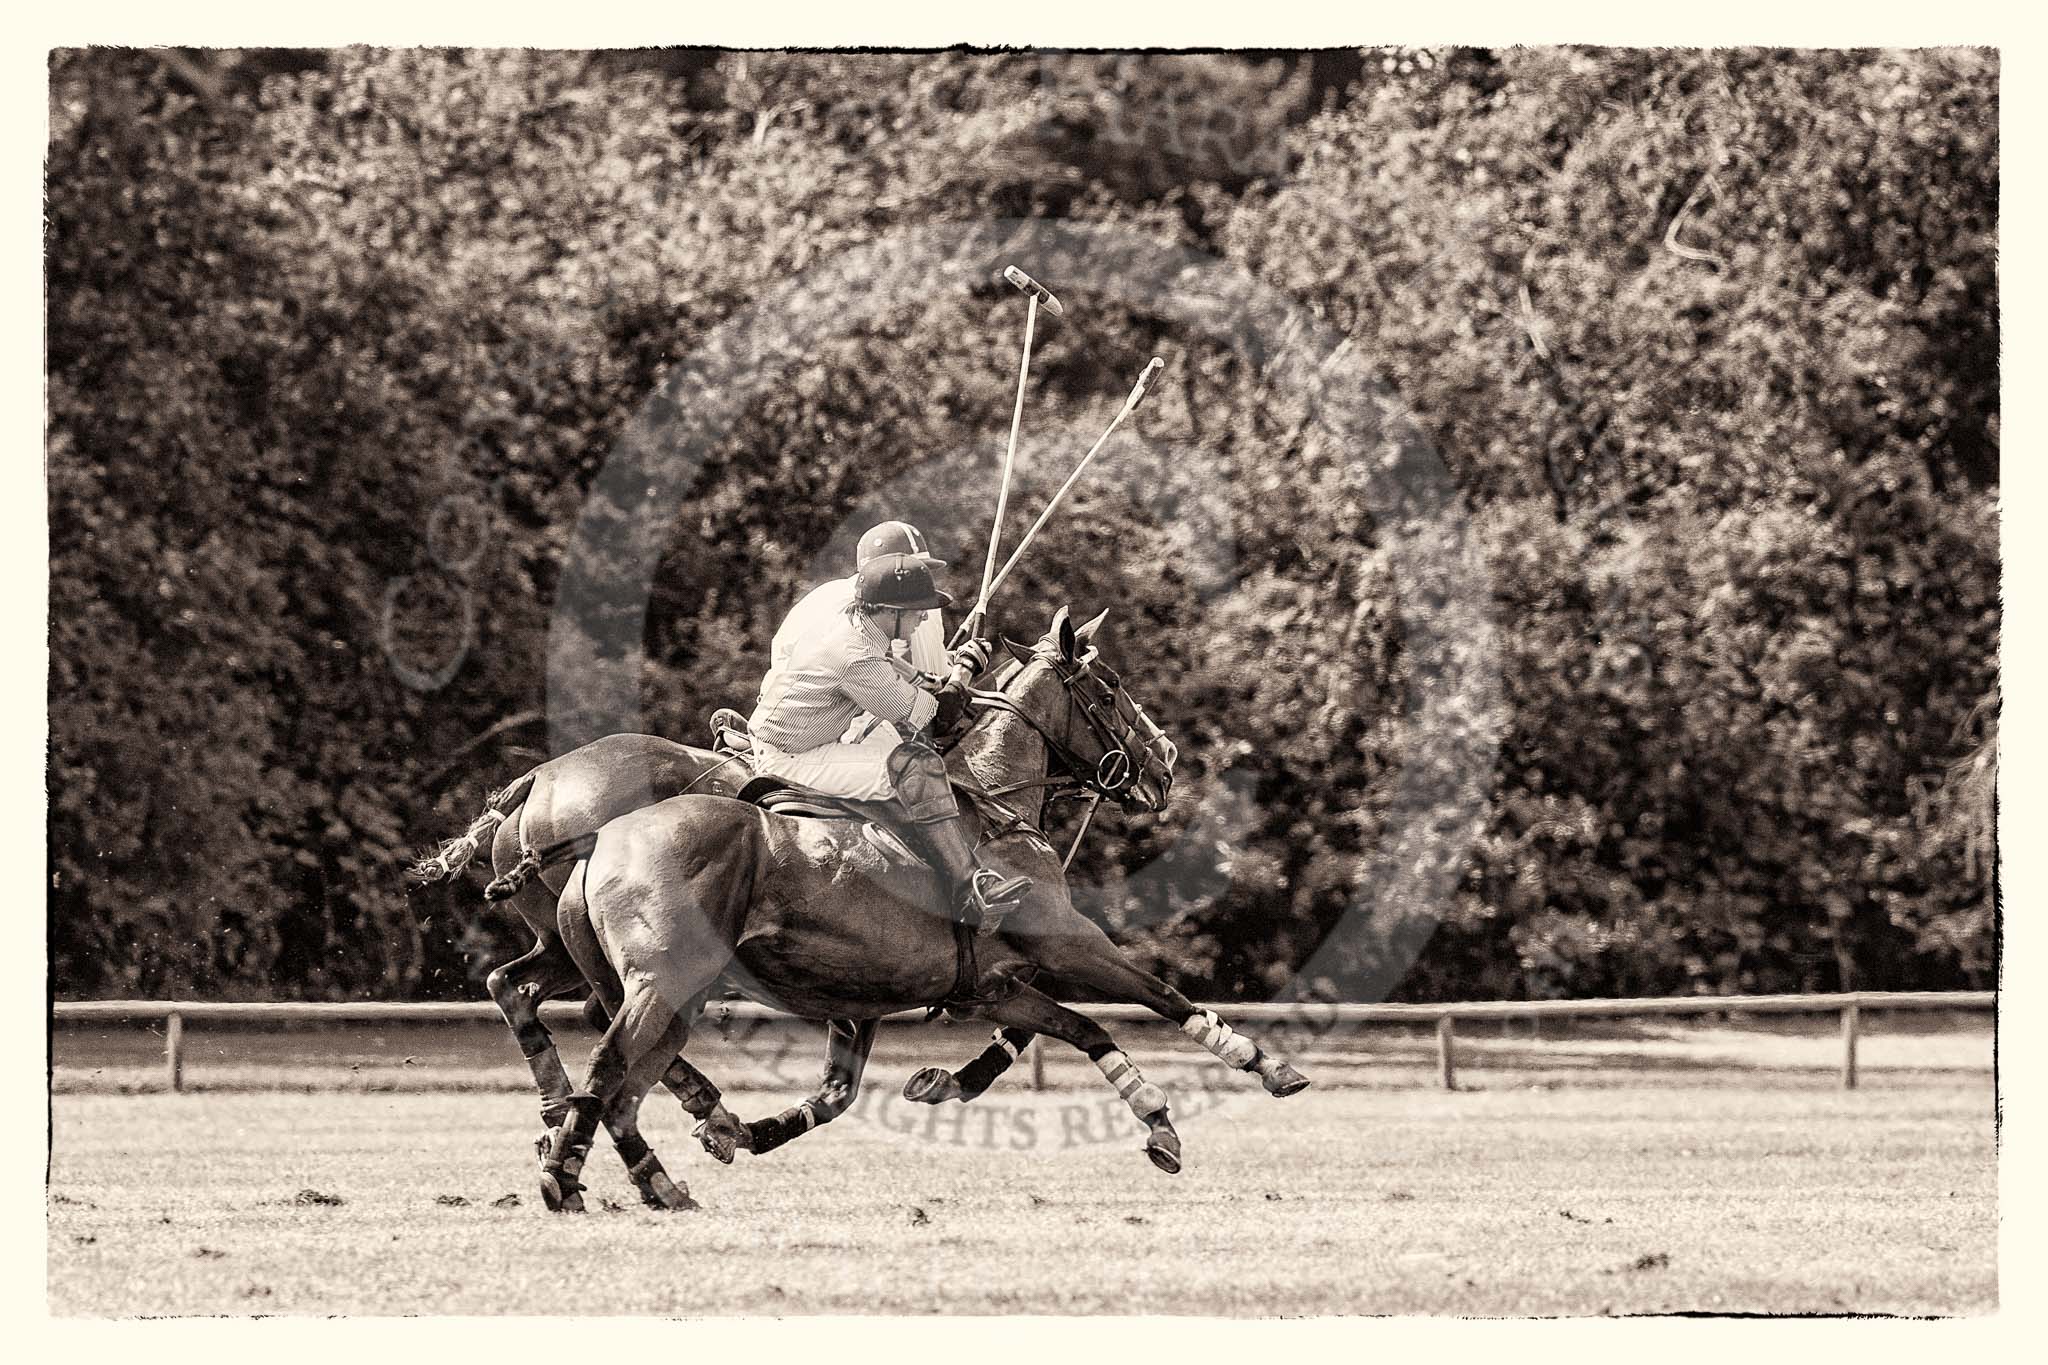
(807, 918)
(569, 798)
(555, 803)
(551, 807)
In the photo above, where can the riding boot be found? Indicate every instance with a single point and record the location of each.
(978, 894)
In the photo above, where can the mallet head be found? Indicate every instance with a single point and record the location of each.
(1138, 389)
(1033, 288)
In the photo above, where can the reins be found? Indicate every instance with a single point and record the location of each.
(1112, 774)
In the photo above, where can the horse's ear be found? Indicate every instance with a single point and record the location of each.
(1021, 653)
(1060, 633)
(1086, 633)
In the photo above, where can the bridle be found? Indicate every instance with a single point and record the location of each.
(1132, 745)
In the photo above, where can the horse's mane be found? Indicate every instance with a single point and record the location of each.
(967, 755)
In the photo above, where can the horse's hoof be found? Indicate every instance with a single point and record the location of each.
(1164, 1149)
(560, 1196)
(662, 1193)
(1283, 1081)
(933, 1085)
(718, 1139)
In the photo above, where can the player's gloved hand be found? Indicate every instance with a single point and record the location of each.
(952, 706)
(974, 655)
(968, 662)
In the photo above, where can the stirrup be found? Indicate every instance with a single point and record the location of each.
(991, 893)
(729, 732)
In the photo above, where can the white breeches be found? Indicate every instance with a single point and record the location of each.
(859, 771)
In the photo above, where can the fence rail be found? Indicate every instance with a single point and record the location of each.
(1322, 1017)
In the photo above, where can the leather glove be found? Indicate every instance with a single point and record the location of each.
(952, 706)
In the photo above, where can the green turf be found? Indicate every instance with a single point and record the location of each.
(1509, 1201)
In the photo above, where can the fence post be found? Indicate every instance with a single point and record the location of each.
(1038, 1064)
(1446, 1051)
(1851, 1023)
(174, 1051)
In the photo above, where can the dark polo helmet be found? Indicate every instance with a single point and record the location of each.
(901, 582)
(893, 538)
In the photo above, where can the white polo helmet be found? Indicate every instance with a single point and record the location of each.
(894, 538)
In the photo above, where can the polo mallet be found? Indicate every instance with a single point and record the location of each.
(1037, 294)
(1130, 404)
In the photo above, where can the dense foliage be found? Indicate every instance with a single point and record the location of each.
(1631, 626)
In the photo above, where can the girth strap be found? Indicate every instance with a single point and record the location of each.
(964, 973)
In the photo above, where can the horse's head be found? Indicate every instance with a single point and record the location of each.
(1096, 733)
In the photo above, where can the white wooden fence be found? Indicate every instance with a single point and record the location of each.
(1851, 1006)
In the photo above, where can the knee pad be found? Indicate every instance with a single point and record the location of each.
(919, 776)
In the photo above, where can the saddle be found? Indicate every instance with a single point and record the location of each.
(779, 796)
(783, 797)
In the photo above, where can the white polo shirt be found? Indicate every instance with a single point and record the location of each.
(834, 667)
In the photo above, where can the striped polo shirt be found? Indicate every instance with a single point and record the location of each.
(822, 604)
(832, 673)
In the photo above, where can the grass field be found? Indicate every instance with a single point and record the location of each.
(1680, 1192)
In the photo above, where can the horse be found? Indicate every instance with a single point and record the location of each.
(554, 803)
(569, 798)
(665, 900)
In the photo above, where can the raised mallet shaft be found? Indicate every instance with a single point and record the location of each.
(1151, 372)
(1035, 294)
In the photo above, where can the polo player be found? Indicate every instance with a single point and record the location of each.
(818, 607)
(843, 666)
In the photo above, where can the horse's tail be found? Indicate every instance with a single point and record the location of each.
(462, 850)
(532, 860)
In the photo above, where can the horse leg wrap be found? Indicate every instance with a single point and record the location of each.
(697, 1095)
(768, 1134)
(534, 1038)
(979, 1074)
(1220, 1038)
(573, 1138)
(546, 1065)
(565, 1149)
(1144, 1097)
(632, 1149)
(657, 1190)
